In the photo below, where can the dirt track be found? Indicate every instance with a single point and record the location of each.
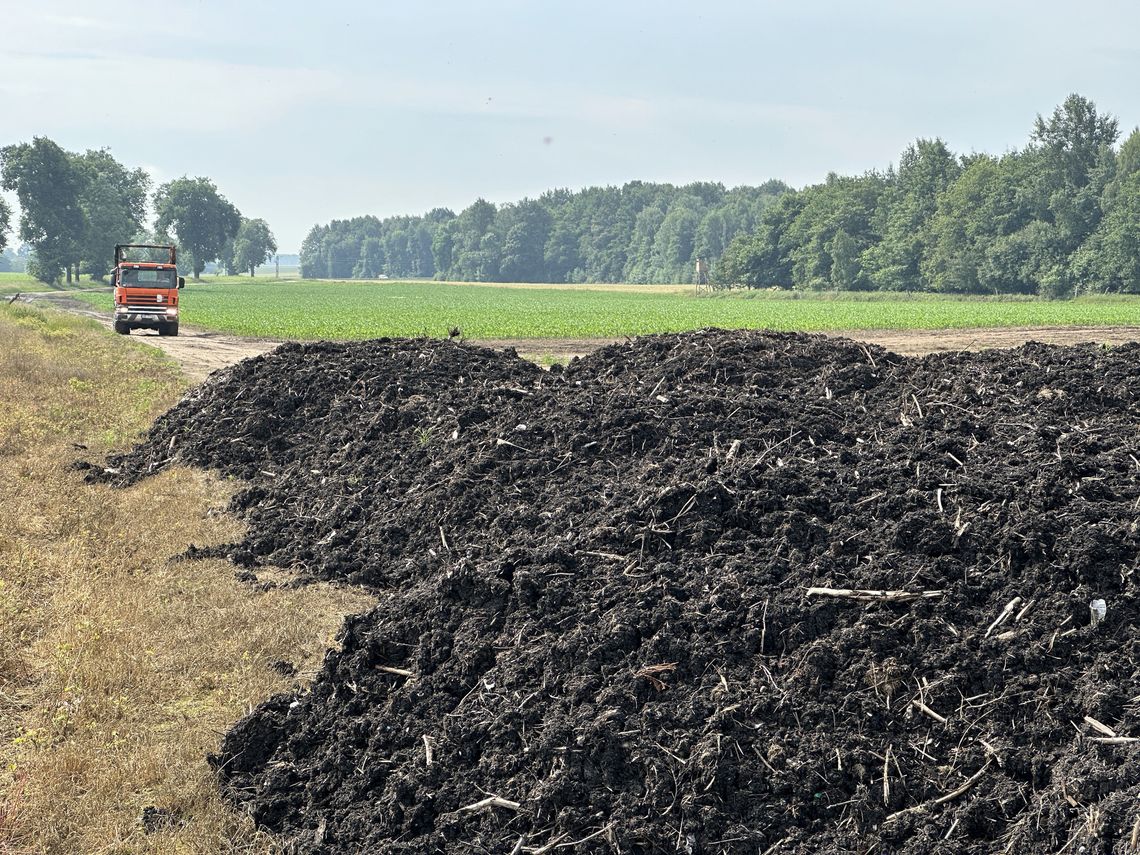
(201, 351)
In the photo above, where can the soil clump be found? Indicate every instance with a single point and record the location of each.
(713, 592)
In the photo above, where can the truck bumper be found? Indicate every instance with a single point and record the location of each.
(144, 318)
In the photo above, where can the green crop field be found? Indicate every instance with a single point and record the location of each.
(353, 310)
(13, 283)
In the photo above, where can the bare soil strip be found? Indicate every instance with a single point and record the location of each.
(920, 342)
(903, 342)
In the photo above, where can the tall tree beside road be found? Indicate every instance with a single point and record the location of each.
(527, 227)
(254, 244)
(113, 202)
(762, 259)
(5, 223)
(48, 185)
(371, 260)
(199, 217)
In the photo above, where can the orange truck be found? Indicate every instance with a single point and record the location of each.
(146, 292)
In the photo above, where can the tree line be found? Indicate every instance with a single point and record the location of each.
(1060, 216)
(639, 232)
(74, 209)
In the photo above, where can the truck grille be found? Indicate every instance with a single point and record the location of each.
(143, 300)
(146, 310)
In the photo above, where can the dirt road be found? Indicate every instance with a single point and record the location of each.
(201, 351)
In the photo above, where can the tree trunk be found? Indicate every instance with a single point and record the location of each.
(251, 271)
(67, 267)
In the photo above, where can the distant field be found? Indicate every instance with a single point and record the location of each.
(354, 310)
(284, 271)
(11, 283)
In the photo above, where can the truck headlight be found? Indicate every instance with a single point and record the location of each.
(172, 311)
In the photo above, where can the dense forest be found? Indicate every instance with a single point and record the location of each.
(636, 233)
(1057, 217)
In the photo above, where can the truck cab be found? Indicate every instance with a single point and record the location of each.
(146, 291)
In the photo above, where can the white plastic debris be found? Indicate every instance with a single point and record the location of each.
(1097, 610)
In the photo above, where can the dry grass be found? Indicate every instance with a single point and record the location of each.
(119, 668)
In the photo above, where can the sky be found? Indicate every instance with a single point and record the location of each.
(306, 112)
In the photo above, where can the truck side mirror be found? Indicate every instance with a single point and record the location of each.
(181, 281)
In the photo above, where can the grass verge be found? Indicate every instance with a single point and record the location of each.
(120, 668)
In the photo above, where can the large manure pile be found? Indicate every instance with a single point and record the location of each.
(719, 592)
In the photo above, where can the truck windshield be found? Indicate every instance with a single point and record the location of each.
(147, 278)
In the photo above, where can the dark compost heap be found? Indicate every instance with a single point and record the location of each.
(599, 626)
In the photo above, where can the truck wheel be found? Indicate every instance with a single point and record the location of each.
(122, 329)
(168, 329)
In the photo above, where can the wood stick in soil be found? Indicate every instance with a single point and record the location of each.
(1024, 611)
(1100, 726)
(556, 845)
(1005, 612)
(925, 710)
(492, 801)
(941, 800)
(399, 672)
(873, 596)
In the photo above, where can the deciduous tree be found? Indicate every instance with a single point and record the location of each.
(48, 186)
(5, 223)
(1110, 259)
(926, 169)
(113, 202)
(201, 219)
(254, 244)
(371, 261)
(1073, 138)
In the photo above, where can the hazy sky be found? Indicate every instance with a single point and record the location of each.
(305, 112)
